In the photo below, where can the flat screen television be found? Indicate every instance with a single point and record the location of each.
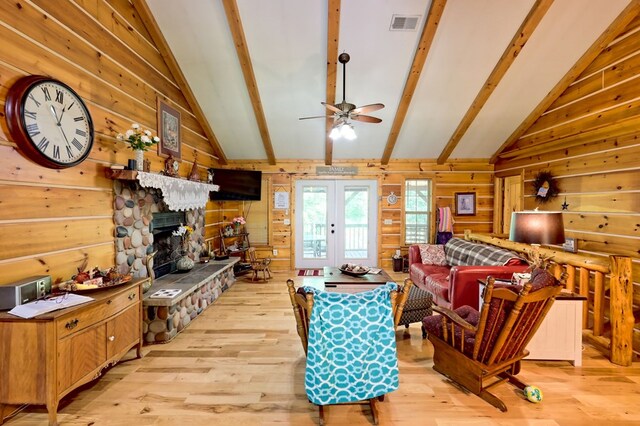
(237, 185)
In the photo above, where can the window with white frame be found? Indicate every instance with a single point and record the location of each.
(417, 211)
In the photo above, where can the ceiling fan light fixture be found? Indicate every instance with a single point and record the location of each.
(335, 132)
(347, 132)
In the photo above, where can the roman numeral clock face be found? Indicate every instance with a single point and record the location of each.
(49, 122)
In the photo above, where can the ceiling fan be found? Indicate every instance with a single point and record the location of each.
(344, 111)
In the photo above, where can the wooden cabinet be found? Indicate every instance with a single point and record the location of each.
(44, 358)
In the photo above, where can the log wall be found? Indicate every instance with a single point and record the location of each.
(588, 139)
(51, 220)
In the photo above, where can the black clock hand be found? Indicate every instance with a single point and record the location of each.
(61, 115)
(65, 137)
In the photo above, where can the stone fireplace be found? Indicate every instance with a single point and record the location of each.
(136, 238)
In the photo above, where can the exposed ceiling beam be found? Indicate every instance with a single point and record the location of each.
(333, 36)
(237, 32)
(520, 38)
(152, 27)
(617, 26)
(420, 57)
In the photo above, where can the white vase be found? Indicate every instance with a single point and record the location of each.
(139, 159)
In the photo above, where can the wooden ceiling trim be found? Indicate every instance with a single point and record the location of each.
(152, 27)
(610, 34)
(333, 36)
(419, 59)
(237, 32)
(520, 38)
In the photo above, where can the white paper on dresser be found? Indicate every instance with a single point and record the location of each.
(42, 306)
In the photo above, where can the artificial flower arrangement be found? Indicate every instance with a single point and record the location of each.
(137, 138)
(239, 221)
(183, 231)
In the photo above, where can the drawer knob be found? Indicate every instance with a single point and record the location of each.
(132, 296)
(109, 302)
(112, 338)
(71, 324)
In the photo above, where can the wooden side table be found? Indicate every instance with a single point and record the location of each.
(559, 337)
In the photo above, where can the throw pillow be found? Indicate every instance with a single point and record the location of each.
(432, 254)
(541, 278)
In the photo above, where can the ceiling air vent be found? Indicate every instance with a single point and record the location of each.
(404, 22)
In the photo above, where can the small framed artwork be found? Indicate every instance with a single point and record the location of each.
(465, 203)
(168, 130)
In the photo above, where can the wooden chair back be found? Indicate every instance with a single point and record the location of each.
(302, 305)
(524, 314)
(508, 321)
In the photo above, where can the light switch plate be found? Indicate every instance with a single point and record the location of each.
(570, 245)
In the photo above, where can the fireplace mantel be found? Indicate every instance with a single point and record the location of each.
(178, 194)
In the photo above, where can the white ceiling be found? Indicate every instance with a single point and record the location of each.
(287, 43)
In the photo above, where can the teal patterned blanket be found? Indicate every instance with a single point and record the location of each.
(352, 347)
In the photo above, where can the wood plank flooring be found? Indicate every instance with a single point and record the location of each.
(241, 363)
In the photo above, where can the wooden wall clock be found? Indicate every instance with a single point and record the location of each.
(49, 122)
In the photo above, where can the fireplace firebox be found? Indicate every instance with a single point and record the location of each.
(164, 242)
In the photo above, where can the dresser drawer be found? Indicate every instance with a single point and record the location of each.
(97, 311)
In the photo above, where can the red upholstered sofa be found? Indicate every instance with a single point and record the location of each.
(455, 283)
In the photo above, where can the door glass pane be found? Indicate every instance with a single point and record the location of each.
(356, 222)
(314, 210)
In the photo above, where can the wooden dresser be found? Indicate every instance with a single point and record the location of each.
(44, 358)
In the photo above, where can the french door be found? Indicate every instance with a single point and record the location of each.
(336, 223)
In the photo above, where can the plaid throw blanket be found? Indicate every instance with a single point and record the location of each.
(459, 252)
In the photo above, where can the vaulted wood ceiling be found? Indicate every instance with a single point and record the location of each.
(467, 83)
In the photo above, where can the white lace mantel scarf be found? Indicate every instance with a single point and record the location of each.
(178, 194)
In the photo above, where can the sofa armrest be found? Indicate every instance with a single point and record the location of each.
(463, 282)
(414, 255)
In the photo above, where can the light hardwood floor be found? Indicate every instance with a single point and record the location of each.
(241, 363)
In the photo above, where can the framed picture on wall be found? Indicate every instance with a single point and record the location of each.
(168, 130)
(465, 203)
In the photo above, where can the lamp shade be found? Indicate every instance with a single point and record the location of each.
(534, 227)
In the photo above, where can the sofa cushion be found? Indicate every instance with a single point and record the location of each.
(418, 272)
(433, 326)
(460, 252)
(432, 254)
(438, 285)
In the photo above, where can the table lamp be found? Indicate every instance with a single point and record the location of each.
(537, 227)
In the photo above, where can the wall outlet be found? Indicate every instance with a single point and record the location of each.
(287, 221)
(388, 221)
(275, 252)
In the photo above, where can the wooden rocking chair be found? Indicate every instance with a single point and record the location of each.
(479, 351)
(302, 305)
(259, 265)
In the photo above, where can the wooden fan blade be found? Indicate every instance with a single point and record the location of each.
(316, 116)
(331, 107)
(366, 118)
(367, 108)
